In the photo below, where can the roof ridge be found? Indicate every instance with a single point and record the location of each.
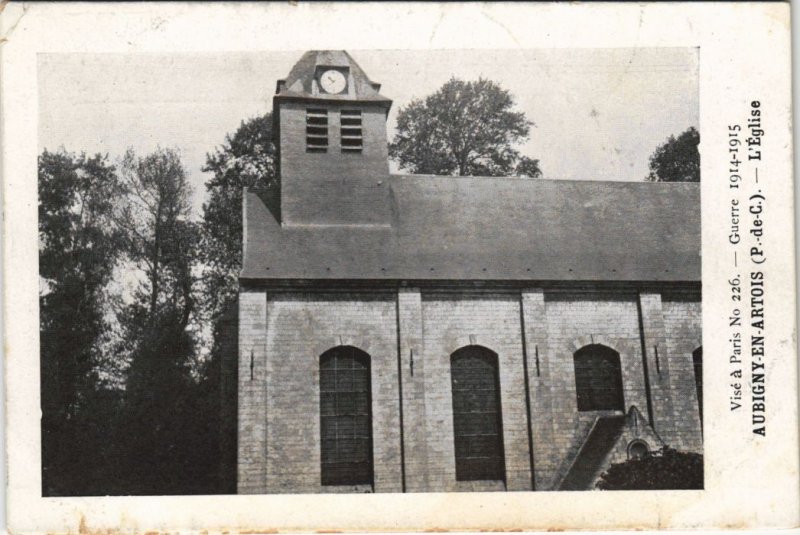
(540, 180)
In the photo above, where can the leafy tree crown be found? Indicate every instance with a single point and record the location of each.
(663, 469)
(677, 159)
(465, 128)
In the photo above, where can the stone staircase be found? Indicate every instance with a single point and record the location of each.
(595, 448)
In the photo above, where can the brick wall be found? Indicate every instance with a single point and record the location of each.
(410, 336)
(252, 392)
(683, 323)
(300, 328)
(492, 320)
(575, 320)
(545, 459)
(412, 365)
(228, 340)
(333, 187)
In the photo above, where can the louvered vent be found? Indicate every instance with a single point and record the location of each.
(316, 130)
(352, 139)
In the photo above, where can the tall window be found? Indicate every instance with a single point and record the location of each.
(352, 140)
(345, 416)
(598, 379)
(316, 130)
(477, 416)
(697, 360)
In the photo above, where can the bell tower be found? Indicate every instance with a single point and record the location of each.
(330, 132)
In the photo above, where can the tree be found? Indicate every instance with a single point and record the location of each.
(528, 168)
(162, 407)
(664, 469)
(98, 223)
(245, 160)
(677, 159)
(154, 217)
(465, 128)
(78, 250)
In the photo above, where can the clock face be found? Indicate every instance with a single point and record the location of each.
(332, 81)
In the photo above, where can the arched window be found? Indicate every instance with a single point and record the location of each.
(697, 360)
(598, 379)
(345, 416)
(477, 416)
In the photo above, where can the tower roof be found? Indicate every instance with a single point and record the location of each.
(301, 81)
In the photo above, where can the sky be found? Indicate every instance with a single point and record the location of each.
(598, 113)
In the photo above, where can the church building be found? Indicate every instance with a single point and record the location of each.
(410, 333)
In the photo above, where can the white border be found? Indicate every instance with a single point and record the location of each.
(744, 55)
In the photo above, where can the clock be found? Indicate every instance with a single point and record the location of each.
(333, 81)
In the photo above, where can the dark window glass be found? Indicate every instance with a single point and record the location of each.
(477, 416)
(345, 417)
(598, 379)
(697, 360)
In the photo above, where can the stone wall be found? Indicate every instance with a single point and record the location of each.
(683, 321)
(575, 320)
(228, 340)
(410, 335)
(491, 320)
(334, 187)
(300, 327)
(252, 392)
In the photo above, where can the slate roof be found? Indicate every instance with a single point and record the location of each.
(298, 84)
(492, 229)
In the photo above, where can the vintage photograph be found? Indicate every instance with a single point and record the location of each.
(370, 271)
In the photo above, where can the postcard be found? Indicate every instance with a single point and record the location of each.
(398, 267)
